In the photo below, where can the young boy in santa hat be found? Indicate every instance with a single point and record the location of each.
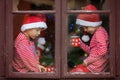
(25, 58)
(97, 60)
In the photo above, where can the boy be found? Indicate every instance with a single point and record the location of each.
(25, 58)
(97, 60)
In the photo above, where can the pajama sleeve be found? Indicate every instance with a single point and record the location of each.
(27, 56)
(85, 47)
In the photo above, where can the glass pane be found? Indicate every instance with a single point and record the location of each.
(80, 4)
(88, 42)
(33, 5)
(34, 37)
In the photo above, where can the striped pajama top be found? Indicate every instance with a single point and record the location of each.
(25, 57)
(97, 59)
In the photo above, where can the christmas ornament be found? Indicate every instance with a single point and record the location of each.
(75, 41)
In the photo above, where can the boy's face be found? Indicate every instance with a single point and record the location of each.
(90, 29)
(33, 33)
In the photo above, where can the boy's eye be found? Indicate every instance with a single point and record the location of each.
(38, 29)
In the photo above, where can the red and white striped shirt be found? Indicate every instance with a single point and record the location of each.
(25, 58)
(97, 59)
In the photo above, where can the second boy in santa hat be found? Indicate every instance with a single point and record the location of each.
(97, 60)
(25, 57)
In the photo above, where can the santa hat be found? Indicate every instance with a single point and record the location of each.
(90, 20)
(34, 21)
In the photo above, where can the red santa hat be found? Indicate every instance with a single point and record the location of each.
(34, 21)
(90, 20)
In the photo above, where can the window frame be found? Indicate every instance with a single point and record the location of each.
(112, 38)
(60, 38)
(9, 43)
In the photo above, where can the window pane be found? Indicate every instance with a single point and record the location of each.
(32, 48)
(80, 4)
(88, 46)
(33, 5)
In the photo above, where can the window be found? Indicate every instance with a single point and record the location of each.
(72, 56)
(57, 53)
(49, 52)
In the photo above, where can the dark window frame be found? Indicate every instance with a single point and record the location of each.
(61, 56)
(112, 39)
(10, 43)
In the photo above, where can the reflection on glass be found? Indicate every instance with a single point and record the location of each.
(88, 45)
(33, 5)
(34, 37)
(80, 4)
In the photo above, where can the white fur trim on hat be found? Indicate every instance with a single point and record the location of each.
(33, 25)
(88, 23)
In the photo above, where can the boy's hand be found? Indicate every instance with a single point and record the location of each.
(85, 63)
(42, 68)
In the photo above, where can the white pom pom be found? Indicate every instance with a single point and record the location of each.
(41, 41)
(85, 38)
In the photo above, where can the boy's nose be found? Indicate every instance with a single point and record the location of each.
(38, 33)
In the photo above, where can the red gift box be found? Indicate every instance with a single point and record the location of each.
(50, 69)
(75, 41)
